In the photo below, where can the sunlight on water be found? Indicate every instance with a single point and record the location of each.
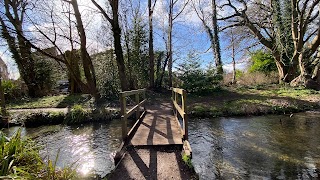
(89, 149)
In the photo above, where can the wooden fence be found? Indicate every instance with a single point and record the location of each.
(125, 114)
(180, 111)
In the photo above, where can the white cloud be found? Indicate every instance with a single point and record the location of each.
(239, 66)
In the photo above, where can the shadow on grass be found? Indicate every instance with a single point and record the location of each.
(74, 99)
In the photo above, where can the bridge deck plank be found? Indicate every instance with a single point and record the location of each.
(159, 127)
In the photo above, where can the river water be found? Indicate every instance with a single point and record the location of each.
(264, 147)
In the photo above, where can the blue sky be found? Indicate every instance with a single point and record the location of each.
(188, 35)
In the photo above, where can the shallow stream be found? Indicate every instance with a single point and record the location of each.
(264, 147)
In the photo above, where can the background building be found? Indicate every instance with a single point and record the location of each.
(4, 70)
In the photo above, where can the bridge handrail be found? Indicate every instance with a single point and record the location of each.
(181, 110)
(125, 114)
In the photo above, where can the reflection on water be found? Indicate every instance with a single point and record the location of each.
(89, 148)
(266, 147)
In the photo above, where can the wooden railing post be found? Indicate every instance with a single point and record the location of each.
(138, 109)
(182, 110)
(185, 118)
(123, 113)
(144, 97)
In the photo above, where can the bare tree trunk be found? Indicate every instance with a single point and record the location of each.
(215, 40)
(20, 49)
(151, 51)
(170, 60)
(114, 21)
(233, 59)
(158, 71)
(86, 59)
(163, 70)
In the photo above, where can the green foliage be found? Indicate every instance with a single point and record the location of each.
(187, 160)
(77, 115)
(20, 159)
(18, 156)
(262, 62)
(12, 90)
(239, 73)
(137, 52)
(43, 73)
(194, 79)
(106, 74)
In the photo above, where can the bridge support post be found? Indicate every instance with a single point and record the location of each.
(123, 117)
(138, 109)
(185, 116)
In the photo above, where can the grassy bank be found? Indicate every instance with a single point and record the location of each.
(58, 101)
(243, 101)
(227, 101)
(76, 114)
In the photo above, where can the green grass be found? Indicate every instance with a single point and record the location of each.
(59, 101)
(254, 101)
(282, 91)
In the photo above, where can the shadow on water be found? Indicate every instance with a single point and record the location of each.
(272, 147)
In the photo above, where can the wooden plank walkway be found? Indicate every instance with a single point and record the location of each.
(158, 127)
(154, 152)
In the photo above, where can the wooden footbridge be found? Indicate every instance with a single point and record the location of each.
(154, 145)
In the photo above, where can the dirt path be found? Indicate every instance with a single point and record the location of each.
(64, 110)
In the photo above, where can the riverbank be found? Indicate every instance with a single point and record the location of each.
(227, 101)
(247, 101)
(53, 116)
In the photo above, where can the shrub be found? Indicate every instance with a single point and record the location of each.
(18, 156)
(77, 115)
(196, 80)
(257, 78)
(187, 160)
(262, 62)
(12, 90)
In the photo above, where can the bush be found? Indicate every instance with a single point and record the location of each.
(262, 62)
(12, 90)
(77, 115)
(196, 80)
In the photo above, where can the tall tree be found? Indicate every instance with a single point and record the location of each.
(88, 68)
(55, 34)
(304, 25)
(212, 32)
(114, 22)
(215, 38)
(173, 14)
(12, 19)
(136, 39)
(151, 51)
